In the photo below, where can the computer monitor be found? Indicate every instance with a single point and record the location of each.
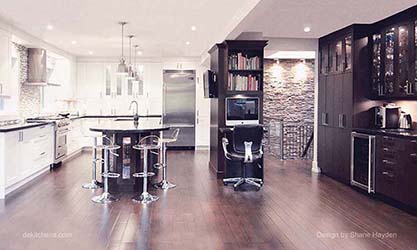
(242, 110)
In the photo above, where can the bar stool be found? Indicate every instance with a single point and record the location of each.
(146, 144)
(106, 197)
(164, 183)
(94, 184)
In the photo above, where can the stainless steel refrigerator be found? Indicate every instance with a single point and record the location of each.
(179, 106)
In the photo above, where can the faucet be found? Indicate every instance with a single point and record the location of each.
(135, 115)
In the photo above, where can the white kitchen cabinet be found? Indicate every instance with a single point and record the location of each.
(4, 64)
(11, 162)
(75, 138)
(24, 154)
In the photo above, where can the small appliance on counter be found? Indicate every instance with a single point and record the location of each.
(405, 121)
(387, 116)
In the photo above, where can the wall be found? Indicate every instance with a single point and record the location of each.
(289, 100)
(25, 100)
(29, 96)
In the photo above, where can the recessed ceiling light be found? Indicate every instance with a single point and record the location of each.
(307, 29)
(139, 53)
(50, 27)
(90, 52)
(187, 43)
(74, 42)
(193, 28)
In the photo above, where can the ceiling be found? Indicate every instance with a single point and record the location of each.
(285, 18)
(161, 27)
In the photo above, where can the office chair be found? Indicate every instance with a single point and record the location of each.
(247, 149)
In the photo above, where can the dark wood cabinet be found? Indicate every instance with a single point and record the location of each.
(396, 169)
(394, 61)
(232, 60)
(335, 104)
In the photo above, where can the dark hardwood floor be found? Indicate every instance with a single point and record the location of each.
(294, 210)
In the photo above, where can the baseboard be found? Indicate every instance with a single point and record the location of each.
(74, 154)
(28, 179)
(315, 167)
(201, 147)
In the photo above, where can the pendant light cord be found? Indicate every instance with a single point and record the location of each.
(122, 38)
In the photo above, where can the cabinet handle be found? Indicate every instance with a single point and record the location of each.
(413, 141)
(324, 119)
(413, 155)
(1, 88)
(388, 162)
(386, 149)
(43, 153)
(388, 174)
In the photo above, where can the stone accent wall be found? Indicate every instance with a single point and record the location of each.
(29, 96)
(288, 105)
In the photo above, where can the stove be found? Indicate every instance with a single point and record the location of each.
(62, 128)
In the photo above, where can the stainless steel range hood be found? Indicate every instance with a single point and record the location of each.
(38, 71)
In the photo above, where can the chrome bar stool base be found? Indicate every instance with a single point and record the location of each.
(164, 184)
(145, 198)
(92, 185)
(105, 198)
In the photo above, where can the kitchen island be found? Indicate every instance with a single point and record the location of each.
(127, 133)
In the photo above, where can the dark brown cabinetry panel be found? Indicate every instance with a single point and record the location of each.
(394, 62)
(396, 169)
(335, 106)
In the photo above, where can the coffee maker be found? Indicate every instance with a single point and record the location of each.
(390, 116)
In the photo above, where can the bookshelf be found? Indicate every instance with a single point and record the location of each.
(239, 68)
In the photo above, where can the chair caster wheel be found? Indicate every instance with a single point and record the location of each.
(224, 183)
(235, 188)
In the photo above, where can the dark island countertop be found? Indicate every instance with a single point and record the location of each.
(22, 125)
(388, 132)
(112, 116)
(144, 125)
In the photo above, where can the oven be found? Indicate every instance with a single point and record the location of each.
(61, 141)
(362, 172)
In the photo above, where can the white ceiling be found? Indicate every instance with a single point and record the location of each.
(287, 18)
(162, 27)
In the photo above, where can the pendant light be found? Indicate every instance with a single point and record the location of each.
(131, 70)
(122, 67)
(136, 75)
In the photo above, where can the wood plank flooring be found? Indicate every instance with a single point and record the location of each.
(295, 210)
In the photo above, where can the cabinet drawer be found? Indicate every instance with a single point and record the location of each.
(388, 141)
(387, 183)
(389, 165)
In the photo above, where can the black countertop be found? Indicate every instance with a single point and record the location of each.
(23, 125)
(389, 132)
(144, 125)
(112, 116)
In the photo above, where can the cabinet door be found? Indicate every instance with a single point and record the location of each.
(404, 69)
(347, 53)
(321, 151)
(337, 106)
(330, 100)
(377, 88)
(347, 101)
(324, 59)
(342, 154)
(4, 64)
(389, 61)
(410, 168)
(322, 99)
(329, 149)
(12, 150)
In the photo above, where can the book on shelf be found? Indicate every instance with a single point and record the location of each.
(241, 62)
(242, 83)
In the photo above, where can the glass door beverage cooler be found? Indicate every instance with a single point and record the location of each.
(362, 172)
